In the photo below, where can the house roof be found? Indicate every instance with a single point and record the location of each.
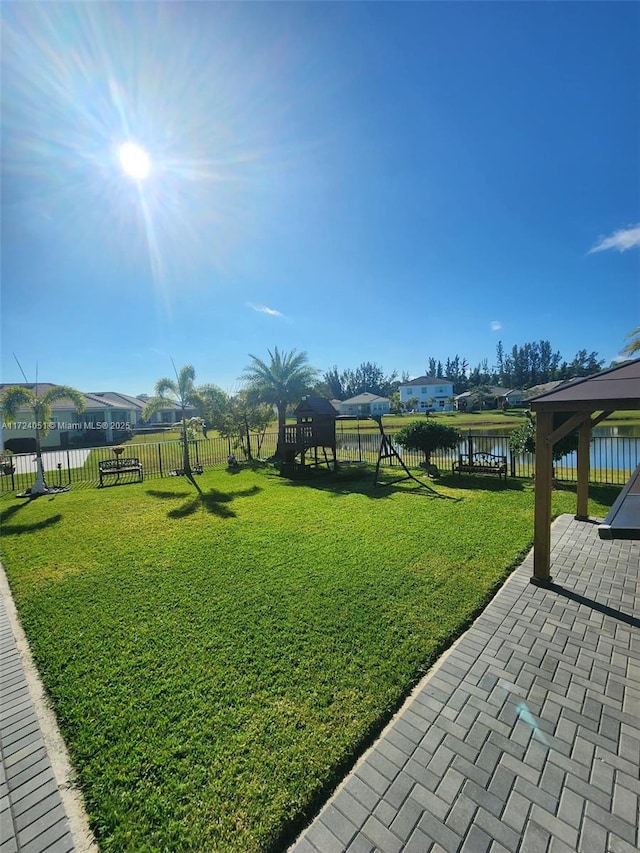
(491, 390)
(120, 400)
(91, 401)
(536, 390)
(615, 389)
(425, 380)
(363, 399)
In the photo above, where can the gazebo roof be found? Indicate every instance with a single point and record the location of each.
(615, 389)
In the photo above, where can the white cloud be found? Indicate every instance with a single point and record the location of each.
(626, 238)
(263, 309)
(496, 325)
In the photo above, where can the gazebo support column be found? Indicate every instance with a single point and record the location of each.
(582, 503)
(542, 523)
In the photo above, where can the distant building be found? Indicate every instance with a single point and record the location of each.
(107, 418)
(433, 395)
(365, 405)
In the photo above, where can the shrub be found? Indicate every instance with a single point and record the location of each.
(427, 436)
(523, 439)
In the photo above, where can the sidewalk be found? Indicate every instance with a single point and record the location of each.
(39, 810)
(525, 737)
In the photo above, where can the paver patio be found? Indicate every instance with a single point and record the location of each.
(525, 736)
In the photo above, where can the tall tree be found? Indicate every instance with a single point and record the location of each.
(280, 382)
(334, 382)
(235, 417)
(18, 397)
(368, 376)
(427, 436)
(180, 392)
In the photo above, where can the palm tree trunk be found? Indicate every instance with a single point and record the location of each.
(282, 420)
(186, 462)
(39, 487)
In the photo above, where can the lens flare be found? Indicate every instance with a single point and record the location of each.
(134, 160)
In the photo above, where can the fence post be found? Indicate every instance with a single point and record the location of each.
(160, 456)
(359, 444)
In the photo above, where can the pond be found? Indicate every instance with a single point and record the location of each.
(609, 452)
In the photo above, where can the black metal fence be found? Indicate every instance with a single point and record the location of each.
(612, 458)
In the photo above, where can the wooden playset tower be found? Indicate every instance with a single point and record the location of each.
(307, 441)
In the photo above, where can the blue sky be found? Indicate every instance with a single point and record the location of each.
(379, 182)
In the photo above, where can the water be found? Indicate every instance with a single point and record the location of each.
(609, 452)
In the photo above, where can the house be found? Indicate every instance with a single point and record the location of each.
(168, 415)
(484, 397)
(431, 394)
(365, 405)
(107, 418)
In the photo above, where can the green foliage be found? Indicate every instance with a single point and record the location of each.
(17, 397)
(369, 376)
(523, 440)
(282, 381)
(633, 346)
(181, 392)
(427, 436)
(236, 417)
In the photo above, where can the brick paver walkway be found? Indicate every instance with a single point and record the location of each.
(526, 736)
(32, 816)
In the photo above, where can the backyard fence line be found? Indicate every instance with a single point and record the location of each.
(613, 458)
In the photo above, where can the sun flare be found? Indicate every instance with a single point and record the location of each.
(134, 160)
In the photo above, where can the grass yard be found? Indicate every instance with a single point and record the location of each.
(217, 665)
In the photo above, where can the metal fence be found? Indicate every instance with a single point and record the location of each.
(612, 458)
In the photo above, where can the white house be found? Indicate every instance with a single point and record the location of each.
(433, 395)
(364, 405)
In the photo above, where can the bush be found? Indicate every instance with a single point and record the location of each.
(427, 436)
(523, 439)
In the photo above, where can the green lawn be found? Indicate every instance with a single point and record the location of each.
(217, 665)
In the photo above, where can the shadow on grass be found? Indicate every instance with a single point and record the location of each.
(158, 493)
(603, 494)
(359, 481)
(213, 501)
(17, 529)
(479, 481)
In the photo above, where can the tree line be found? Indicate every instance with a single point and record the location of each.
(521, 367)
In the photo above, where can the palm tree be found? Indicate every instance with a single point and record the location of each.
(634, 344)
(180, 392)
(17, 397)
(283, 381)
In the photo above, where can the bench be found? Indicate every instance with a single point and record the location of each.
(481, 463)
(116, 467)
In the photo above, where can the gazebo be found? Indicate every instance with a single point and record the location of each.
(578, 405)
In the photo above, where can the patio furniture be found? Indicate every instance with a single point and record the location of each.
(117, 467)
(480, 462)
